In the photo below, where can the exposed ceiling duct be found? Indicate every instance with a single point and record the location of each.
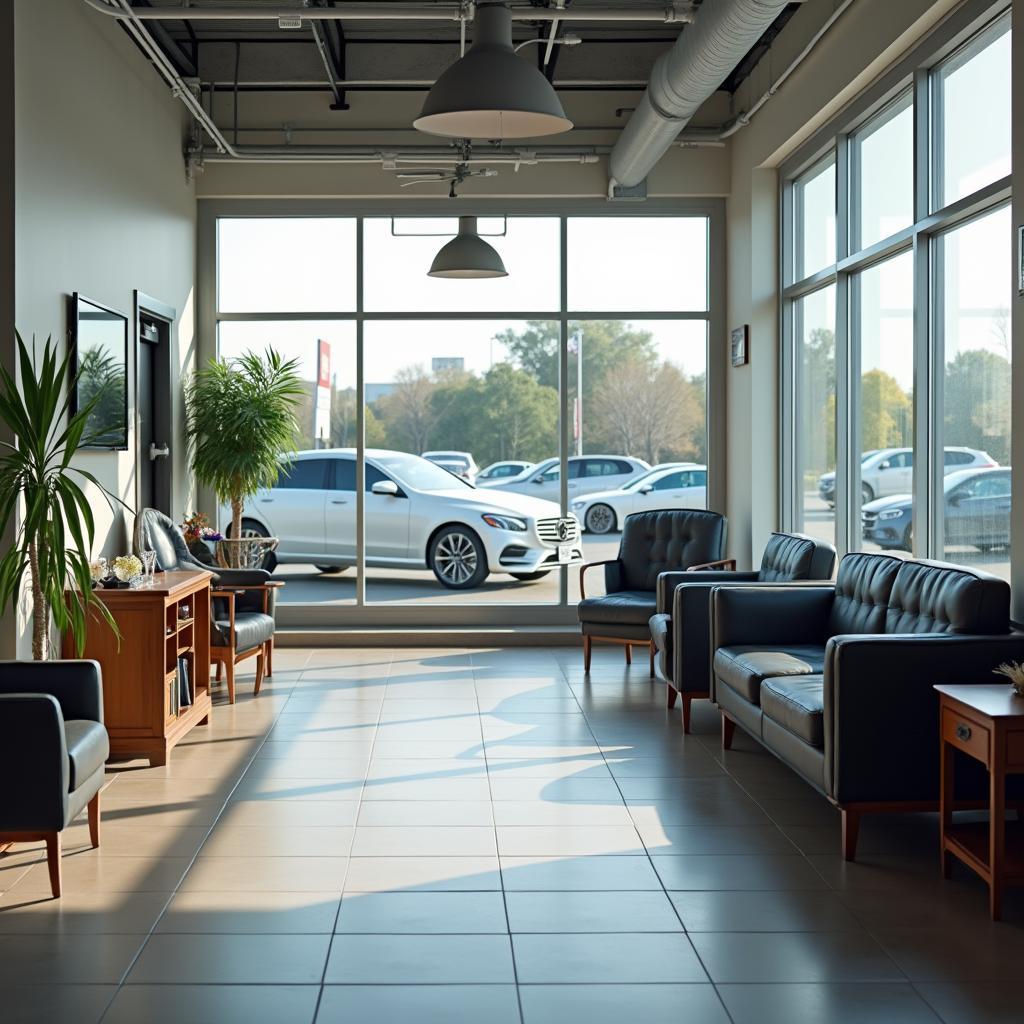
(684, 78)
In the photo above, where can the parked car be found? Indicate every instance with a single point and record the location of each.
(462, 464)
(680, 486)
(888, 471)
(587, 473)
(977, 512)
(500, 472)
(417, 516)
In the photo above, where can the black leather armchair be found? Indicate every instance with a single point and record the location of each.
(52, 751)
(838, 681)
(242, 621)
(681, 629)
(652, 543)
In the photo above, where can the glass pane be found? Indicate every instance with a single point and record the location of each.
(883, 154)
(286, 264)
(637, 393)
(973, 114)
(974, 305)
(814, 321)
(396, 281)
(646, 264)
(308, 559)
(884, 336)
(467, 394)
(814, 205)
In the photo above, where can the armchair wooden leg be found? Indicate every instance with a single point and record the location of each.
(728, 728)
(94, 821)
(671, 695)
(587, 645)
(651, 657)
(629, 654)
(229, 672)
(269, 666)
(259, 670)
(220, 670)
(53, 862)
(851, 827)
(687, 701)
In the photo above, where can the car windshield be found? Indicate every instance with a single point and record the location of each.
(419, 474)
(634, 482)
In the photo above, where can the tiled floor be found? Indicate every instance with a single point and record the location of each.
(468, 836)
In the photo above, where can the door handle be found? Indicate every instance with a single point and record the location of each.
(339, 501)
(156, 452)
(267, 501)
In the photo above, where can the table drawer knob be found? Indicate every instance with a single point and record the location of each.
(963, 732)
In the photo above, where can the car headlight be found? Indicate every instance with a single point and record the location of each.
(578, 504)
(503, 522)
(893, 513)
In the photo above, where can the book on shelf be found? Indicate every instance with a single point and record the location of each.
(184, 684)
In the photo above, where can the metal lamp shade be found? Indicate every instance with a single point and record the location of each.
(467, 256)
(491, 93)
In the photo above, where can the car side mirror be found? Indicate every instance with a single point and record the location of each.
(386, 487)
(646, 489)
(955, 499)
(885, 464)
(537, 480)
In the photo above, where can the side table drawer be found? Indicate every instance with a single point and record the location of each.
(966, 735)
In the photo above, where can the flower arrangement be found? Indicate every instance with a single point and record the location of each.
(98, 570)
(196, 527)
(126, 567)
(1014, 671)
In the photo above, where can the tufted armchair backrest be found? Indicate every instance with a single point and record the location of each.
(663, 541)
(863, 586)
(933, 597)
(794, 556)
(155, 530)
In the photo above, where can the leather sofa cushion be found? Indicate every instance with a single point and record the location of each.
(932, 597)
(786, 557)
(657, 542)
(632, 607)
(744, 668)
(251, 629)
(863, 586)
(796, 703)
(88, 748)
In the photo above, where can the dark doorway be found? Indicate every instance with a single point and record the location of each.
(155, 454)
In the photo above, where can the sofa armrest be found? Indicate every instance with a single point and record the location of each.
(76, 684)
(668, 581)
(780, 614)
(33, 763)
(612, 575)
(881, 713)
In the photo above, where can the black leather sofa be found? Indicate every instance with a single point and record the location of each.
(837, 681)
(53, 747)
(681, 629)
(652, 543)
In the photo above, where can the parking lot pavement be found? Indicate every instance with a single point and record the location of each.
(396, 586)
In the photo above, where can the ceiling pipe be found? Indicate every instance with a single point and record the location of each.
(682, 79)
(663, 14)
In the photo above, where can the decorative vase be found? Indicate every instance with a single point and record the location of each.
(245, 552)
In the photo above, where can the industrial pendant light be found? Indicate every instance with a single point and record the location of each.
(467, 255)
(490, 93)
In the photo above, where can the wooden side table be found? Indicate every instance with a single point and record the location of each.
(986, 723)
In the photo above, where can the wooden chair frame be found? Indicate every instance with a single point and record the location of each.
(588, 639)
(226, 657)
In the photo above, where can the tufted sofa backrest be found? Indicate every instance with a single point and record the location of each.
(794, 556)
(663, 541)
(933, 597)
(863, 586)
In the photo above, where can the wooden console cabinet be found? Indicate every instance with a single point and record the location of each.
(140, 672)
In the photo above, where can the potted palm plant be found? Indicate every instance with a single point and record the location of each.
(54, 537)
(239, 421)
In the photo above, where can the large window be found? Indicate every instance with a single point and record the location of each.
(897, 392)
(460, 405)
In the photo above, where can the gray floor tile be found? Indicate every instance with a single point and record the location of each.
(575, 873)
(214, 1004)
(771, 872)
(66, 959)
(791, 911)
(591, 912)
(975, 1002)
(984, 952)
(277, 913)
(424, 1004)
(601, 958)
(826, 1004)
(45, 1002)
(420, 959)
(423, 912)
(613, 1004)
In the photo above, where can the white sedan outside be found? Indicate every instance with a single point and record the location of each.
(681, 486)
(417, 516)
(587, 473)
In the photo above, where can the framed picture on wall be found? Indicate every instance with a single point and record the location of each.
(740, 339)
(99, 368)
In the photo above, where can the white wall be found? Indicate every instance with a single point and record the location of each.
(102, 205)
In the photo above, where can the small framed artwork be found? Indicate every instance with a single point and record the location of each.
(740, 338)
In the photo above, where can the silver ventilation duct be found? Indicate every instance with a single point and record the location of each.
(682, 79)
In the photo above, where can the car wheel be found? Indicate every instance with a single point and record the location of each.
(600, 519)
(253, 529)
(331, 570)
(529, 577)
(457, 558)
(866, 493)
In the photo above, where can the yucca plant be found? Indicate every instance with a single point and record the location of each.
(53, 542)
(239, 421)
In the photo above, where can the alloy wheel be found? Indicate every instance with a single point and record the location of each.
(600, 519)
(455, 558)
